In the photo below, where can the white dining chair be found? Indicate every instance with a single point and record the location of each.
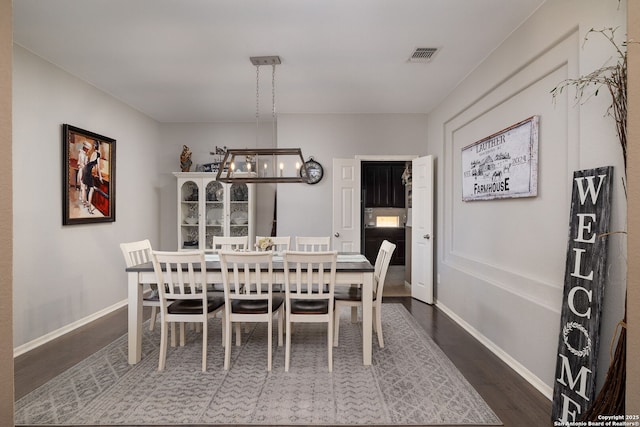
(179, 281)
(313, 244)
(310, 279)
(248, 296)
(226, 243)
(352, 296)
(280, 244)
(136, 253)
(230, 243)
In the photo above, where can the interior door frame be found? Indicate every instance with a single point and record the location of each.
(378, 158)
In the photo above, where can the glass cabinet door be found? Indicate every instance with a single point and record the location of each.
(214, 212)
(189, 215)
(239, 210)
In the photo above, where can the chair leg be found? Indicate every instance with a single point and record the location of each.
(183, 334)
(269, 342)
(287, 347)
(227, 346)
(163, 346)
(238, 334)
(280, 327)
(378, 326)
(354, 314)
(173, 334)
(154, 316)
(330, 345)
(336, 326)
(204, 345)
(224, 331)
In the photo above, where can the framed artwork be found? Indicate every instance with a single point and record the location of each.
(502, 165)
(88, 177)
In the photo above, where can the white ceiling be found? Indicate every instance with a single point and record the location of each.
(188, 60)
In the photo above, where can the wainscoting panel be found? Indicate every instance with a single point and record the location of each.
(518, 245)
(502, 261)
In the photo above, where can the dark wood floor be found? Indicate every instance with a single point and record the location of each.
(514, 400)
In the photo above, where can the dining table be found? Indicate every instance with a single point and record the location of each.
(351, 269)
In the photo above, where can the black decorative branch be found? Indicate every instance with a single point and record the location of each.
(613, 78)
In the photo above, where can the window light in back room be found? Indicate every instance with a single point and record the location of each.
(387, 221)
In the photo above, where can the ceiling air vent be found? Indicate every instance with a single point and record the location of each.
(423, 54)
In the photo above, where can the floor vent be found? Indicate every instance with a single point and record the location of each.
(423, 54)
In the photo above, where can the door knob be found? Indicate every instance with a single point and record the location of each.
(427, 236)
(337, 234)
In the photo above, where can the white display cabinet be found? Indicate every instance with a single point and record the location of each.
(208, 208)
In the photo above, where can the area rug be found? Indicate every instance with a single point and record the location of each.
(411, 382)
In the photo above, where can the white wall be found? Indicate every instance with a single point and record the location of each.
(302, 208)
(501, 263)
(202, 138)
(65, 274)
(305, 209)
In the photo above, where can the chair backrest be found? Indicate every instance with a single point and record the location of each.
(382, 265)
(247, 275)
(311, 275)
(179, 276)
(280, 243)
(235, 243)
(136, 253)
(313, 244)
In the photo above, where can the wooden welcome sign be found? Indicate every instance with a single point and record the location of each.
(585, 272)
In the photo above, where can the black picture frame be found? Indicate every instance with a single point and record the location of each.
(88, 177)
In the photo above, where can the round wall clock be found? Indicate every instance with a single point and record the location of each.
(314, 169)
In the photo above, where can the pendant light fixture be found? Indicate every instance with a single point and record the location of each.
(263, 165)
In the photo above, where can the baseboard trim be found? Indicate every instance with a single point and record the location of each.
(17, 351)
(514, 364)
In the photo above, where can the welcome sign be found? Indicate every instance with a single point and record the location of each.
(502, 165)
(585, 271)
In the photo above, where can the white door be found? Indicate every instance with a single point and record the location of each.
(422, 231)
(346, 205)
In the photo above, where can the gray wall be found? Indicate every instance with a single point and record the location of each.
(202, 138)
(501, 263)
(302, 209)
(306, 209)
(65, 274)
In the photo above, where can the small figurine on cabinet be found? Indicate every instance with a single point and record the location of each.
(185, 159)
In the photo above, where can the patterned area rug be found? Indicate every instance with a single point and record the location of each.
(411, 382)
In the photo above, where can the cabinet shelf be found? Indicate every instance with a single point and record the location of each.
(373, 238)
(382, 184)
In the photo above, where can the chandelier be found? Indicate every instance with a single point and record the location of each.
(263, 165)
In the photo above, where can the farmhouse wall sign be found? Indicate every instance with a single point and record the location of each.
(502, 165)
(579, 340)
